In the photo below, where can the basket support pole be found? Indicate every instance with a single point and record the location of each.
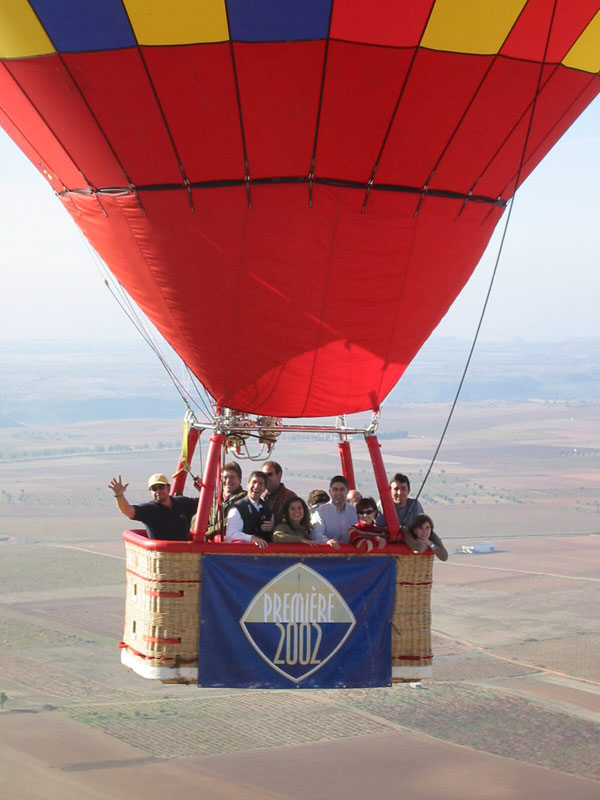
(347, 465)
(391, 520)
(209, 481)
(187, 451)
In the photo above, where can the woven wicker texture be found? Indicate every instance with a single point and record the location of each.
(411, 624)
(162, 606)
(162, 610)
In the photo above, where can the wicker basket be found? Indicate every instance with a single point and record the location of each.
(411, 623)
(162, 613)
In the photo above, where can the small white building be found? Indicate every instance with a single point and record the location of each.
(484, 547)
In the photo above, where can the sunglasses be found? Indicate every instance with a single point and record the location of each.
(368, 511)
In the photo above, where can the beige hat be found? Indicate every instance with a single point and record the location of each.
(154, 480)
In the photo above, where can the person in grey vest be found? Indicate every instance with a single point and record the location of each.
(406, 508)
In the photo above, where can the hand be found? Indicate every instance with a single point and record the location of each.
(117, 487)
(258, 541)
(311, 542)
(197, 483)
(268, 525)
(381, 542)
(333, 543)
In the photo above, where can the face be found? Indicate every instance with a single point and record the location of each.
(338, 492)
(272, 478)
(296, 511)
(399, 493)
(256, 487)
(159, 492)
(353, 497)
(368, 515)
(230, 481)
(423, 531)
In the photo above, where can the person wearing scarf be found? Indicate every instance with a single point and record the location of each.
(365, 535)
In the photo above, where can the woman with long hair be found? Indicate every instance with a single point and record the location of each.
(295, 526)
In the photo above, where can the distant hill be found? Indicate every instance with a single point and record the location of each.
(515, 371)
(55, 383)
(7, 422)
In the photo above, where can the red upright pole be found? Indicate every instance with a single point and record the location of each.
(187, 451)
(209, 481)
(347, 465)
(391, 520)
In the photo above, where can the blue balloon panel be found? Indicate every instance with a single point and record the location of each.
(76, 27)
(278, 20)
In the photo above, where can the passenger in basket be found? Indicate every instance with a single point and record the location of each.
(332, 520)
(232, 489)
(406, 508)
(366, 535)
(250, 519)
(295, 526)
(316, 498)
(353, 497)
(421, 536)
(165, 517)
(276, 493)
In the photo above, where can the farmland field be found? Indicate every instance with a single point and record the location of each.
(516, 674)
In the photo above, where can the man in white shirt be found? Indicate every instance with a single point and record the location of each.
(250, 519)
(331, 521)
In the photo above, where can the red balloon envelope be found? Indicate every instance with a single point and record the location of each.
(294, 191)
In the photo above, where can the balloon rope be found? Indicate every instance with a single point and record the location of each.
(311, 171)
(127, 307)
(500, 249)
(240, 114)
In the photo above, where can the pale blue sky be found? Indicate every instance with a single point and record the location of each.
(548, 285)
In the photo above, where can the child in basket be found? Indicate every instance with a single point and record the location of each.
(365, 535)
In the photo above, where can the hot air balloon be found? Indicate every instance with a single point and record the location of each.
(243, 167)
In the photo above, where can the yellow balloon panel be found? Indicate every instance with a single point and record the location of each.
(471, 26)
(21, 33)
(155, 22)
(585, 53)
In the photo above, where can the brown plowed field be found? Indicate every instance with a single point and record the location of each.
(100, 615)
(572, 655)
(52, 757)
(523, 611)
(554, 691)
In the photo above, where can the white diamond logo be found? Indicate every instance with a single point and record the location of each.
(297, 622)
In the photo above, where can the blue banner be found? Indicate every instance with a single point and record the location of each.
(279, 622)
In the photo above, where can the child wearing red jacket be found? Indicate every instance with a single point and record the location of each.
(365, 535)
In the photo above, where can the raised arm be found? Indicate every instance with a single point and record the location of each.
(118, 488)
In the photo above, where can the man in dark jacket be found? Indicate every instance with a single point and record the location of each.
(232, 491)
(276, 493)
(250, 519)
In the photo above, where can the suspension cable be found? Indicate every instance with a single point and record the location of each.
(131, 312)
(500, 249)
